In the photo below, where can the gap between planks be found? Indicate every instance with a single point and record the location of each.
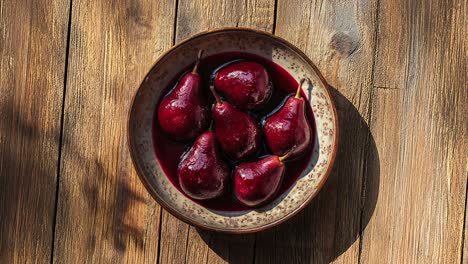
(62, 118)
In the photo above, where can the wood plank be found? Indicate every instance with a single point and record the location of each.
(419, 124)
(193, 17)
(339, 38)
(196, 16)
(229, 248)
(105, 215)
(465, 245)
(197, 249)
(173, 239)
(33, 41)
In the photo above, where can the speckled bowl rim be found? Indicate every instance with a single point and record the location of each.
(246, 230)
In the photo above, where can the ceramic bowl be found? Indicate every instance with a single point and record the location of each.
(180, 57)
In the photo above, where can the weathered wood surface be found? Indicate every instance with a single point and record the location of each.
(33, 41)
(104, 214)
(419, 121)
(398, 73)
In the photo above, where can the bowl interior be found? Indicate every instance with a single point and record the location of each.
(179, 58)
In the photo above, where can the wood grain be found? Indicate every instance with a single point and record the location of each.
(464, 259)
(179, 241)
(200, 15)
(339, 38)
(33, 40)
(104, 213)
(419, 124)
(197, 249)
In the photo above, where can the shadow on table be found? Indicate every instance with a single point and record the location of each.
(28, 185)
(28, 156)
(334, 220)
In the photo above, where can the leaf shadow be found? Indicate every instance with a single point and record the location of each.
(27, 182)
(118, 227)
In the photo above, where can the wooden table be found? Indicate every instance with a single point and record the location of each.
(399, 75)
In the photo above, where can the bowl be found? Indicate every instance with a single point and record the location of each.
(182, 55)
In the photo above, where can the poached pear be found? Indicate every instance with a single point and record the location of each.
(202, 172)
(258, 181)
(238, 133)
(245, 84)
(288, 130)
(185, 112)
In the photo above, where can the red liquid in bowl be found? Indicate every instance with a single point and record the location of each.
(169, 152)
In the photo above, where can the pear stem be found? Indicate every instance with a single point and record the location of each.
(216, 95)
(195, 68)
(285, 156)
(298, 92)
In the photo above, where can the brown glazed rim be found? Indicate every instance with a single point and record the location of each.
(223, 230)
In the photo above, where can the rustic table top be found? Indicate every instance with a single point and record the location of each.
(398, 74)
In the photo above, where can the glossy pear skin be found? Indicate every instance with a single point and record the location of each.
(256, 182)
(238, 133)
(287, 130)
(202, 173)
(185, 112)
(245, 84)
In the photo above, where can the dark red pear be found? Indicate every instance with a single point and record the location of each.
(257, 182)
(245, 84)
(202, 172)
(287, 130)
(185, 112)
(238, 133)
